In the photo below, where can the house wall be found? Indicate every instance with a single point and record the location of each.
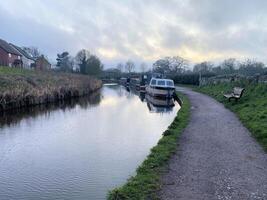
(7, 59)
(3, 58)
(27, 62)
(12, 59)
(42, 64)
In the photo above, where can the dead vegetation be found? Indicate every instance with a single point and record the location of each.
(20, 88)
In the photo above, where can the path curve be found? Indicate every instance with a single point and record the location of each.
(216, 158)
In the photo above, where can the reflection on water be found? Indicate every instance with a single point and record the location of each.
(78, 149)
(14, 116)
(159, 105)
(156, 105)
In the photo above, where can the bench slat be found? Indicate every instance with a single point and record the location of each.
(236, 94)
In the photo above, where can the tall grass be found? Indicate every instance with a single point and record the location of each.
(21, 87)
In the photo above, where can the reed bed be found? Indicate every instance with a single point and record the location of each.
(20, 88)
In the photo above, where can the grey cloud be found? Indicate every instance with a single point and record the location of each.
(138, 29)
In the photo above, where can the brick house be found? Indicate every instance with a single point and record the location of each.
(9, 56)
(42, 63)
(27, 60)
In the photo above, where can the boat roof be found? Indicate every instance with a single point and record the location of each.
(162, 79)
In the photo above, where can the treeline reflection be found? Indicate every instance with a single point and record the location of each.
(12, 117)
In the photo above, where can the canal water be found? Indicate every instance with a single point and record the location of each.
(79, 149)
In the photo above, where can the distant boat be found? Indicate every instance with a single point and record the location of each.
(143, 82)
(135, 83)
(163, 88)
(125, 81)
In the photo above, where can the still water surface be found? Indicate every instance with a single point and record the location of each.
(80, 149)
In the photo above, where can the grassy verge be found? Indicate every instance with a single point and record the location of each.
(15, 71)
(147, 180)
(187, 86)
(251, 109)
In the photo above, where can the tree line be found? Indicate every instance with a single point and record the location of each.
(179, 65)
(174, 67)
(129, 67)
(84, 62)
(180, 70)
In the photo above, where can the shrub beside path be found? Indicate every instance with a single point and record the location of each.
(217, 158)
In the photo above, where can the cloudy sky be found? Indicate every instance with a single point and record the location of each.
(140, 30)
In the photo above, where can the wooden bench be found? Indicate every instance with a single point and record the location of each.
(235, 94)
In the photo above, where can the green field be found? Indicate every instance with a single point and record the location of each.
(251, 109)
(146, 182)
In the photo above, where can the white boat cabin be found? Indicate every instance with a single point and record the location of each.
(164, 83)
(161, 88)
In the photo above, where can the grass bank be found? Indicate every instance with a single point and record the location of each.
(251, 108)
(146, 182)
(21, 87)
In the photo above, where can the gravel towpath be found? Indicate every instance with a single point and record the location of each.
(216, 158)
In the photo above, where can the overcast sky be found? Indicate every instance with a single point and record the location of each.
(140, 30)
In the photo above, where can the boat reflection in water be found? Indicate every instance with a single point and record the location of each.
(142, 96)
(154, 104)
(159, 105)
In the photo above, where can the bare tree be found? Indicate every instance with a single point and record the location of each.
(81, 58)
(251, 67)
(129, 66)
(88, 63)
(229, 65)
(203, 67)
(161, 66)
(178, 64)
(143, 67)
(33, 51)
(169, 65)
(120, 67)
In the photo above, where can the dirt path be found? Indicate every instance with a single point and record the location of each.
(217, 158)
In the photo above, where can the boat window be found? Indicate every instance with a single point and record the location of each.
(170, 83)
(161, 82)
(153, 82)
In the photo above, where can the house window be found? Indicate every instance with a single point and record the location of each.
(9, 55)
(19, 57)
